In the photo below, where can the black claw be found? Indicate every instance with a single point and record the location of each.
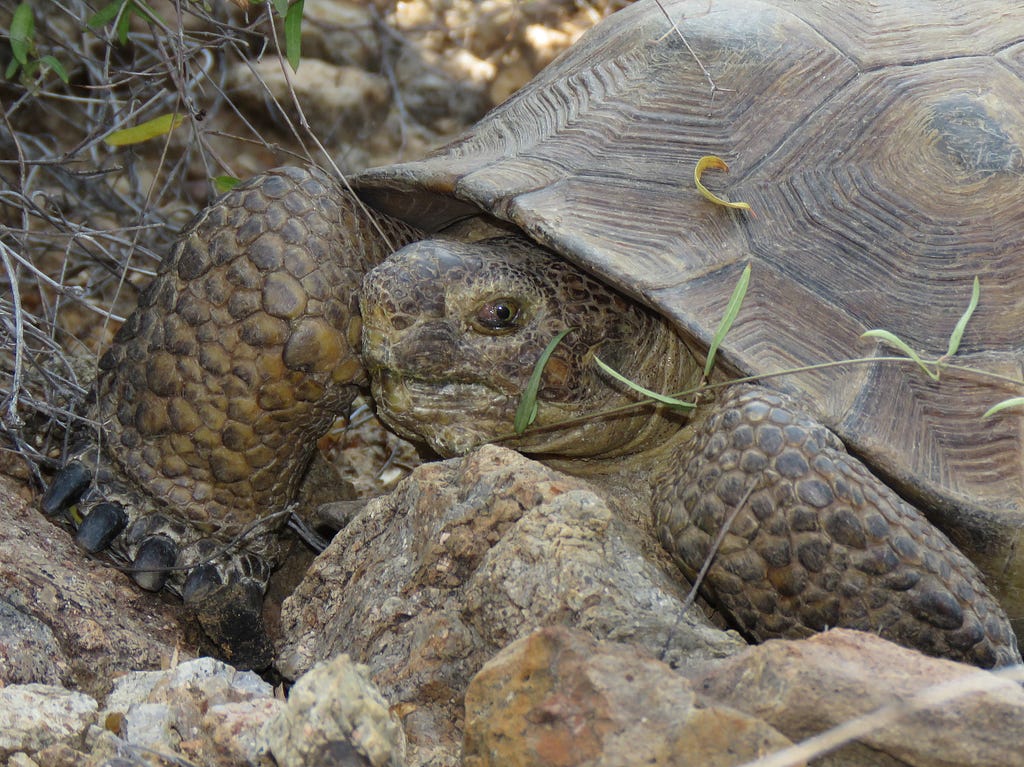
(100, 526)
(67, 487)
(201, 581)
(232, 616)
(155, 555)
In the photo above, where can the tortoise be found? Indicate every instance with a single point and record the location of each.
(880, 146)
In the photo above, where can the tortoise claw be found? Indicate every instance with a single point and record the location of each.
(201, 582)
(101, 525)
(229, 606)
(150, 568)
(67, 487)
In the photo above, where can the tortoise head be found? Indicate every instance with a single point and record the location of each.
(452, 332)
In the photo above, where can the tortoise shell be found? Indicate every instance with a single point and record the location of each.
(881, 146)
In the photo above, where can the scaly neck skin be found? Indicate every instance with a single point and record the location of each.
(657, 359)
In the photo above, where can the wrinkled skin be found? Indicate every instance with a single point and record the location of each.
(450, 334)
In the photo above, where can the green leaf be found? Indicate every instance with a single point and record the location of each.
(106, 14)
(731, 310)
(1004, 405)
(527, 410)
(293, 33)
(12, 68)
(158, 126)
(23, 27)
(281, 6)
(662, 398)
(124, 24)
(961, 325)
(56, 67)
(898, 343)
(225, 183)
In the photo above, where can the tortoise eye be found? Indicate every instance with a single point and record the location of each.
(497, 315)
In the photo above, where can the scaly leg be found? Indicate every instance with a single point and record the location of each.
(817, 541)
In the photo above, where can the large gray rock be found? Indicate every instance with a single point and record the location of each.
(560, 698)
(468, 555)
(807, 687)
(335, 715)
(69, 619)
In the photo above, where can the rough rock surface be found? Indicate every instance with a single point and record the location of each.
(188, 710)
(558, 697)
(335, 715)
(466, 556)
(67, 619)
(202, 711)
(37, 716)
(803, 688)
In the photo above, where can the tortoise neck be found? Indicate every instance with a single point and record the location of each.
(617, 420)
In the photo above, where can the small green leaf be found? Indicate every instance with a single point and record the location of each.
(124, 23)
(1004, 405)
(662, 398)
(961, 325)
(158, 126)
(731, 310)
(225, 183)
(898, 343)
(23, 27)
(281, 6)
(527, 410)
(12, 69)
(293, 33)
(56, 67)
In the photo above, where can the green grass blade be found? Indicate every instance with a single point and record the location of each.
(527, 410)
(662, 398)
(961, 325)
(1004, 405)
(733, 308)
(293, 33)
(898, 343)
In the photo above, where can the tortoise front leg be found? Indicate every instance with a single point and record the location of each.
(815, 540)
(241, 353)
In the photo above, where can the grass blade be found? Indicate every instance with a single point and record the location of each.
(710, 161)
(527, 410)
(662, 398)
(1004, 405)
(961, 325)
(733, 309)
(898, 343)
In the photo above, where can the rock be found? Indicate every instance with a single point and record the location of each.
(335, 715)
(37, 716)
(342, 104)
(466, 556)
(28, 650)
(82, 623)
(341, 32)
(803, 688)
(559, 698)
(203, 710)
